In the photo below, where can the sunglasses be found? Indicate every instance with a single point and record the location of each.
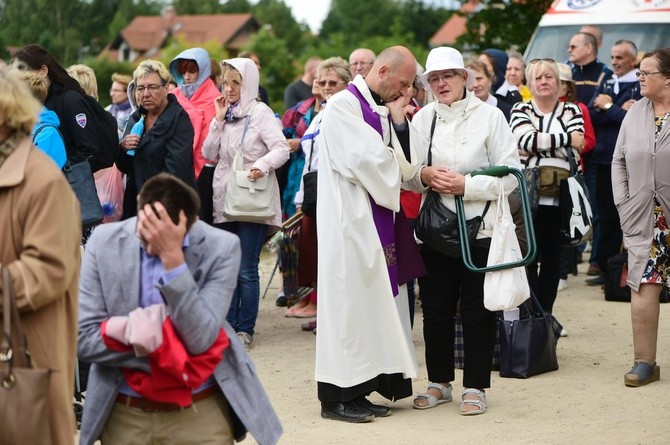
(330, 83)
(546, 59)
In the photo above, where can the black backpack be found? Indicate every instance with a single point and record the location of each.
(106, 129)
(106, 132)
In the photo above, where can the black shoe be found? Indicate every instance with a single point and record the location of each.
(282, 301)
(377, 410)
(597, 281)
(346, 412)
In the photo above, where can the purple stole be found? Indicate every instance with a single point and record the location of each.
(403, 259)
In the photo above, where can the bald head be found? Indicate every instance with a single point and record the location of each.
(310, 70)
(360, 61)
(392, 73)
(595, 31)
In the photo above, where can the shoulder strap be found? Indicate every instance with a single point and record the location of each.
(246, 127)
(551, 117)
(430, 144)
(311, 148)
(247, 118)
(39, 130)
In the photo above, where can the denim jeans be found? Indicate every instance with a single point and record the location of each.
(244, 307)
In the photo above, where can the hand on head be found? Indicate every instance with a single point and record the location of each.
(160, 236)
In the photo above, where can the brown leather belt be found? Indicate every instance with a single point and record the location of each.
(151, 406)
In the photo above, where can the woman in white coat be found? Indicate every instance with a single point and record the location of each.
(640, 186)
(464, 135)
(242, 123)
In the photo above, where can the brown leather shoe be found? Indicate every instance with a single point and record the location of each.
(594, 270)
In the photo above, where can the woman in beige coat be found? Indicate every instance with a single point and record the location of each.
(640, 183)
(40, 231)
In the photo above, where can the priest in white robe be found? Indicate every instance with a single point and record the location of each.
(366, 251)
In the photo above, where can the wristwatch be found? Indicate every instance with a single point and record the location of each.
(608, 106)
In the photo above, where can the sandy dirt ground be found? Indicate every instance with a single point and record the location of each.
(584, 401)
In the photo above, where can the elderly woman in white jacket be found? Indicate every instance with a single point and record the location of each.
(264, 149)
(468, 135)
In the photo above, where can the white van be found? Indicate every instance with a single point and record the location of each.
(644, 22)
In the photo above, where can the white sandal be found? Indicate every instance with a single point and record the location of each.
(480, 402)
(431, 399)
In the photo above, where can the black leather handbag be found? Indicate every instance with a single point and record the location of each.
(528, 345)
(437, 226)
(309, 181)
(80, 177)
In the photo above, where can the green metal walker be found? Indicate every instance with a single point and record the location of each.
(499, 171)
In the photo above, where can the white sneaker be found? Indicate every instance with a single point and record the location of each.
(562, 285)
(564, 333)
(246, 340)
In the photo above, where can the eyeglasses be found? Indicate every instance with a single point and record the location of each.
(151, 87)
(330, 83)
(571, 47)
(642, 73)
(446, 77)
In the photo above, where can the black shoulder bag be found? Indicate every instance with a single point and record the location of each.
(309, 186)
(437, 226)
(80, 177)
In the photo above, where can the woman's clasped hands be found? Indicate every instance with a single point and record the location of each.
(443, 180)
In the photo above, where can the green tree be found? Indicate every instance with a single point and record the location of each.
(421, 19)
(276, 73)
(278, 16)
(186, 7)
(503, 24)
(357, 20)
(235, 7)
(44, 22)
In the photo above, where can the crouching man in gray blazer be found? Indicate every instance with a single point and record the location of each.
(165, 256)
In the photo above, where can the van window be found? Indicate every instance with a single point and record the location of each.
(552, 41)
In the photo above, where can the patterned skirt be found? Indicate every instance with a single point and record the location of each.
(658, 266)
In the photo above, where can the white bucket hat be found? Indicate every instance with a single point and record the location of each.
(445, 58)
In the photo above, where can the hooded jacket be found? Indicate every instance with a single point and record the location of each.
(500, 60)
(197, 99)
(264, 147)
(468, 136)
(47, 138)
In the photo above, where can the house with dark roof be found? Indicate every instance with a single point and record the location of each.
(144, 37)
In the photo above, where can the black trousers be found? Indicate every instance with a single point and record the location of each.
(545, 271)
(611, 235)
(448, 281)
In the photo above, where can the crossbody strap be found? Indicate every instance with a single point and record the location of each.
(430, 144)
(430, 156)
(311, 148)
(246, 127)
(39, 130)
(571, 160)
